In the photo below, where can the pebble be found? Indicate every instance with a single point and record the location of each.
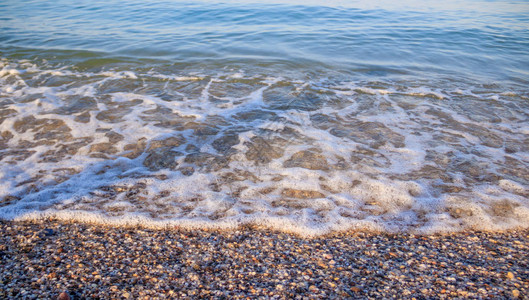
(90, 261)
(515, 293)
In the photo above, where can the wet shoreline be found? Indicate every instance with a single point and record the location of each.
(229, 145)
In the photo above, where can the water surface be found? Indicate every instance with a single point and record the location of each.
(305, 116)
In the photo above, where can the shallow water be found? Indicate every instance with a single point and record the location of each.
(300, 115)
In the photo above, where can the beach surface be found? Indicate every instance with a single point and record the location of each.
(309, 116)
(43, 259)
(383, 144)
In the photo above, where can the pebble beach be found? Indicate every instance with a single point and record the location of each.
(41, 260)
(264, 149)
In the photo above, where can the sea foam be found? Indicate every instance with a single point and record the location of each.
(303, 155)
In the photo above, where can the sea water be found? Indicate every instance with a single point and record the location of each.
(303, 116)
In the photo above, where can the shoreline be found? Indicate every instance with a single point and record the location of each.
(41, 259)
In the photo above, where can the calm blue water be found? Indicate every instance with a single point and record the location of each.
(482, 40)
(305, 116)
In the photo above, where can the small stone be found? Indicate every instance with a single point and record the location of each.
(515, 293)
(64, 296)
(46, 232)
(322, 265)
(510, 275)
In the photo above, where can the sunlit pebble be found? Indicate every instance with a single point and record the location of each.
(86, 261)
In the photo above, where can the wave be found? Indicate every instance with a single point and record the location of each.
(162, 146)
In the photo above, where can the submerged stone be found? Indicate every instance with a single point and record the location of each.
(168, 142)
(64, 150)
(132, 151)
(5, 136)
(74, 104)
(301, 194)
(207, 161)
(119, 85)
(114, 137)
(374, 134)
(286, 97)
(8, 200)
(113, 115)
(225, 143)
(504, 208)
(202, 130)
(307, 159)
(17, 155)
(83, 117)
(187, 171)
(107, 148)
(162, 158)
(262, 150)
(161, 154)
(49, 129)
(367, 157)
(7, 113)
(165, 118)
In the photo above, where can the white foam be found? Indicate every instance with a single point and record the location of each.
(381, 153)
(427, 92)
(120, 75)
(9, 72)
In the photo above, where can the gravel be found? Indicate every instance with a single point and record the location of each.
(44, 259)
